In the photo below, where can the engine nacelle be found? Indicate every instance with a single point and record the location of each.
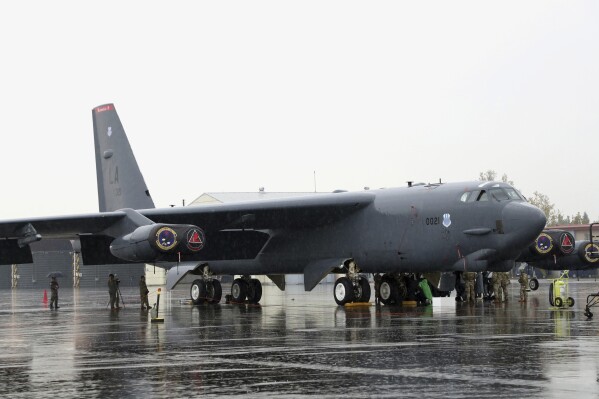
(553, 242)
(156, 241)
(581, 259)
(588, 252)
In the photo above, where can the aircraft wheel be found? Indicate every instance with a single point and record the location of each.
(362, 293)
(197, 292)
(388, 291)
(558, 302)
(214, 291)
(533, 284)
(588, 313)
(239, 290)
(570, 301)
(551, 294)
(254, 291)
(343, 291)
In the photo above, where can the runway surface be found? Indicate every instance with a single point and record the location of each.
(296, 344)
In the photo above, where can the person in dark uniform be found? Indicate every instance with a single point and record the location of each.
(112, 290)
(54, 293)
(377, 288)
(143, 294)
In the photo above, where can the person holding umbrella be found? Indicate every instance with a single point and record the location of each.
(54, 293)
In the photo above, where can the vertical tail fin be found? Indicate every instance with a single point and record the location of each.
(120, 182)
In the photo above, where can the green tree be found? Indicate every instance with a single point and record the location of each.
(542, 202)
(585, 218)
(489, 175)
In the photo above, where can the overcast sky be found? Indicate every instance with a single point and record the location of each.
(237, 95)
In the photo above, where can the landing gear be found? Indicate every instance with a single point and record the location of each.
(389, 291)
(206, 289)
(533, 284)
(246, 288)
(351, 288)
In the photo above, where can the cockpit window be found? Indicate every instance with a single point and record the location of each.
(499, 194)
(513, 194)
(496, 193)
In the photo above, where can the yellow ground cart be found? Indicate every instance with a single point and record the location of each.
(558, 292)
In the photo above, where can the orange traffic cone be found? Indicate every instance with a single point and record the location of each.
(45, 300)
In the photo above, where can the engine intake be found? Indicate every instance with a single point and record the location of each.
(156, 241)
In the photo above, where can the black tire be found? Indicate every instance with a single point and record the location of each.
(551, 294)
(533, 284)
(343, 291)
(239, 290)
(197, 292)
(558, 302)
(254, 291)
(364, 290)
(388, 291)
(214, 291)
(570, 301)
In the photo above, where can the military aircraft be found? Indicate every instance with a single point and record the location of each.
(414, 229)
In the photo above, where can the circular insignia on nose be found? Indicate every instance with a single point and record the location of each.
(195, 239)
(166, 238)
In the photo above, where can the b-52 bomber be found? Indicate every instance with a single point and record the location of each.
(468, 226)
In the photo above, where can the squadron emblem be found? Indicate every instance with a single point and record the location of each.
(195, 239)
(166, 238)
(544, 243)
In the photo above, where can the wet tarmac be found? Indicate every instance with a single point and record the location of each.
(297, 344)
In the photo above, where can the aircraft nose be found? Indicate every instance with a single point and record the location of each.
(523, 222)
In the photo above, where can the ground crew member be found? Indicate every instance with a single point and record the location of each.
(143, 293)
(496, 282)
(505, 281)
(377, 288)
(469, 280)
(113, 286)
(523, 280)
(54, 293)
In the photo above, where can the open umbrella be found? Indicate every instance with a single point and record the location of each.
(55, 274)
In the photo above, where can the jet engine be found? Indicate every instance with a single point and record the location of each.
(553, 242)
(158, 241)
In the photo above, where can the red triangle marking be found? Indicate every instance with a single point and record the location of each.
(566, 241)
(195, 238)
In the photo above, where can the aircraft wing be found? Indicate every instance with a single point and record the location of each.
(298, 212)
(127, 230)
(67, 227)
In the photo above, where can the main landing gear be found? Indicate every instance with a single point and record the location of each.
(206, 289)
(209, 290)
(248, 288)
(352, 288)
(393, 289)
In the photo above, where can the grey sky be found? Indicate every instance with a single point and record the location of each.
(232, 96)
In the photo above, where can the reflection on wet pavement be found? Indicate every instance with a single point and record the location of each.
(296, 344)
